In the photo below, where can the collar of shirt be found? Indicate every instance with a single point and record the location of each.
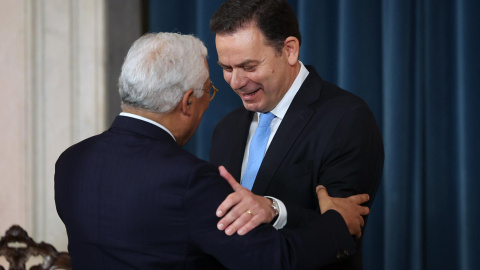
(281, 109)
(148, 121)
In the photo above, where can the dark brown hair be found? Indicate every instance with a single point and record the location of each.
(275, 18)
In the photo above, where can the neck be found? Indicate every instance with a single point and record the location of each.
(289, 79)
(295, 71)
(168, 120)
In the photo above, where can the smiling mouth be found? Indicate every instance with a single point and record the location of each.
(251, 93)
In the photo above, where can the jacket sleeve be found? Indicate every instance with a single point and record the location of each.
(308, 247)
(353, 160)
(351, 164)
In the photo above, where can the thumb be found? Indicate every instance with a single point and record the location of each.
(231, 181)
(323, 198)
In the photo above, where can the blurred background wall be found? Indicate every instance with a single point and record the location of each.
(59, 68)
(415, 62)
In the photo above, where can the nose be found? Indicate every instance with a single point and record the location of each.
(237, 80)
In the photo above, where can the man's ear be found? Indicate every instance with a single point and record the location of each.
(292, 48)
(187, 101)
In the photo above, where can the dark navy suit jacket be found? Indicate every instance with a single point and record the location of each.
(328, 136)
(131, 198)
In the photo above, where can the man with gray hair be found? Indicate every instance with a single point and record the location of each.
(131, 198)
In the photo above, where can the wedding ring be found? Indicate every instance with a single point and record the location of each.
(250, 212)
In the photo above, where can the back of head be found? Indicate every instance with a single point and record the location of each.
(158, 70)
(275, 18)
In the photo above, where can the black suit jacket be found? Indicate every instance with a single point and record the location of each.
(131, 198)
(328, 136)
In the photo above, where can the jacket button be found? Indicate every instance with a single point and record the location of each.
(342, 253)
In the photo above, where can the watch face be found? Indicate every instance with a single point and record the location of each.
(275, 207)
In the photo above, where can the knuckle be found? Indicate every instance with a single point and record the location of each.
(226, 220)
(233, 215)
(230, 198)
(261, 212)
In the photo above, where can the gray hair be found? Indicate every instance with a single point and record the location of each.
(160, 68)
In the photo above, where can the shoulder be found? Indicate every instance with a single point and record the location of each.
(238, 114)
(77, 149)
(344, 108)
(334, 107)
(236, 120)
(323, 95)
(335, 101)
(192, 164)
(333, 95)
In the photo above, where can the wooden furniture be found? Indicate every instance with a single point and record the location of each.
(17, 247)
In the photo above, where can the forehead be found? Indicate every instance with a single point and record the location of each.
(247, 43)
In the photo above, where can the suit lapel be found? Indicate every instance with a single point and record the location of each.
(239, 142)
(297, 117)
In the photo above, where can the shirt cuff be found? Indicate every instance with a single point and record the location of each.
(282, 214)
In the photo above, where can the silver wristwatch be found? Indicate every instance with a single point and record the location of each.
(275, 206)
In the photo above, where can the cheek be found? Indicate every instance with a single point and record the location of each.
(258, 78)
(227, 76)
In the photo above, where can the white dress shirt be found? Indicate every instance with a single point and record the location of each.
(147, 120)
(279, 111)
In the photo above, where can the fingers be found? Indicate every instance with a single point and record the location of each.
(228, 203)
(245, 223)
(235, 213)
(359, 199)
(324, 200)
(252, 224)
(363, 210)
(237, 223)
(233, 198)
(239, 219)
(225, 174)
(236, 204)
(350, 208)
(356, 226)
(321, 190)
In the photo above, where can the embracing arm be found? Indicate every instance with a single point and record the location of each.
(353, 160)
(242, 210)
(242, 200)
(351, 163)
(309, 247)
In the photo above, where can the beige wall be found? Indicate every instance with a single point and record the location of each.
(13, 115)
(52, 80)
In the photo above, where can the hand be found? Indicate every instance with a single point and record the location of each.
(237, 204)
(350, 208)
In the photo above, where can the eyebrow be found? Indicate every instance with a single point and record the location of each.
(242, 64)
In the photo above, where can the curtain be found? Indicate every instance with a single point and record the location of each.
(417, 64)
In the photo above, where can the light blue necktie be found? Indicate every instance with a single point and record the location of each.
(257, 149)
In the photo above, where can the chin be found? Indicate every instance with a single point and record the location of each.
(251, 107)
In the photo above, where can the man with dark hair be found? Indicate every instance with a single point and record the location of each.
(296, 131)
